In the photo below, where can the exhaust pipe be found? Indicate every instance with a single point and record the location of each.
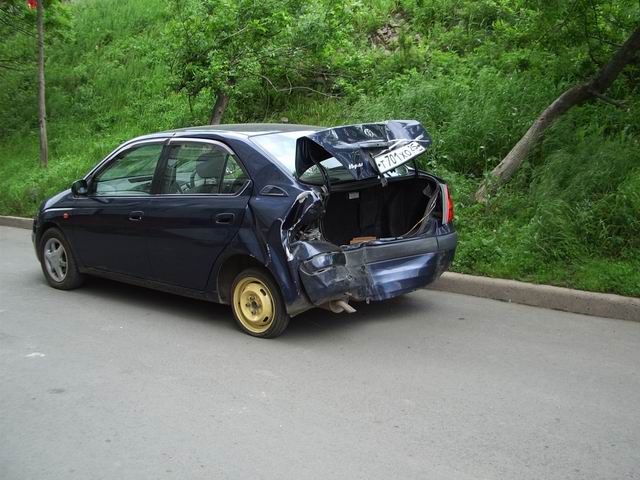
(339, 306)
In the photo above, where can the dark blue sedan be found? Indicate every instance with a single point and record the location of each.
(272, 219)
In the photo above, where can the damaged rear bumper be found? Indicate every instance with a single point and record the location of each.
(376, 270)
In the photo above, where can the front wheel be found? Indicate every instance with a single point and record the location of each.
(58, 265)
(257, 304)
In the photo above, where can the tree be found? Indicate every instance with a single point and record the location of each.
(225, 47)
(594, 88)
(42, 107)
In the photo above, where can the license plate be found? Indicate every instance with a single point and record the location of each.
(398, 156)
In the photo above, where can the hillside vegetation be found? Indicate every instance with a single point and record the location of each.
(476, 73)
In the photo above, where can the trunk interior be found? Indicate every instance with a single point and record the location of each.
(377, 211)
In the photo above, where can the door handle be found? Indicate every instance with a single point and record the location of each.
(136, 215)
(225, 218)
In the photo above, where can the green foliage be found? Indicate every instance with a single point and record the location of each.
(580, 215)
(18, 50)
(237, 47)
(476, 73)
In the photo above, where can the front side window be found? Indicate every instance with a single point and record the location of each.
(130, 173)
(201, 168)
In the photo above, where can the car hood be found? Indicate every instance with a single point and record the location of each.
(355, 145)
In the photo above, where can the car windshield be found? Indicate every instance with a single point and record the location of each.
(282, 146)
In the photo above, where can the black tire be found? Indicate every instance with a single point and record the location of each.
(241, 288)
(72, 277)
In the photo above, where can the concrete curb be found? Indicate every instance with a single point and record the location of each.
(546, 296)
(17, 222)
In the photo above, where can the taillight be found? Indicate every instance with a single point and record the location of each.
(449, 206)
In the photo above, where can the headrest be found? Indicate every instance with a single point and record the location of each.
(210, 164)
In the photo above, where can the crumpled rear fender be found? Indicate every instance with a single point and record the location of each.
(265, 236)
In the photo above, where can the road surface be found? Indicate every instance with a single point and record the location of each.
(118, 382)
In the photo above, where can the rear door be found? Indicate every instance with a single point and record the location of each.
(108, 225)
(202, 195)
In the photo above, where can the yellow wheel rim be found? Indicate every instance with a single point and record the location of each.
(253, 304)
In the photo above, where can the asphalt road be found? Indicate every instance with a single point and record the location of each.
(117, 382)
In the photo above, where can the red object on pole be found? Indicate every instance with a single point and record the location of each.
(32, 4)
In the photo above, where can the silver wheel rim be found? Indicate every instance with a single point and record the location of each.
(55, 259)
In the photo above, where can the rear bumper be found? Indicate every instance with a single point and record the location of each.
(378, 270)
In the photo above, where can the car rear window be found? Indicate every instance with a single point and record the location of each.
(282, 147)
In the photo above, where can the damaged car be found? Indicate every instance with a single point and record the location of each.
(273, 219)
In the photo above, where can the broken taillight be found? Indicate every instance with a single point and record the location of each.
(449, 206)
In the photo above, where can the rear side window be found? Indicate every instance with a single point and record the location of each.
(201, 168)
(130, 173)
(234, 177)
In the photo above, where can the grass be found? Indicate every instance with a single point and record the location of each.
(571, 217)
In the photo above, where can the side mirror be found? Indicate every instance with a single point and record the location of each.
(80, 187)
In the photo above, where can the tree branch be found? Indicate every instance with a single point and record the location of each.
(576, 95)
(290, 88)
(606, 76)
(238, 32)
(10, 67)
(13, 21)
(606, 99)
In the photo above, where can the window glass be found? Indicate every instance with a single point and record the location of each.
(337, 173)
(234, 177)
(282, 146)
(131, 173)
(201, 168)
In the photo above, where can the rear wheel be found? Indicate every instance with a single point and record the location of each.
(58, 265)
(257, 304)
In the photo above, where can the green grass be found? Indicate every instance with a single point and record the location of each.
(571, 217)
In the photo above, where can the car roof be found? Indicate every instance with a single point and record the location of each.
(241, 129)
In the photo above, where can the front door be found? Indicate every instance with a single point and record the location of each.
(202, 196)
(108, 225)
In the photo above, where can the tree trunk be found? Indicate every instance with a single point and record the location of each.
(576, 95)
(222, 100)
(42, 114)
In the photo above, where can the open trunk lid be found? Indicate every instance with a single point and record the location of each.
(366, 150)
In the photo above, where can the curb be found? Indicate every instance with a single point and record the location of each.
(546, 296)
(17, 222)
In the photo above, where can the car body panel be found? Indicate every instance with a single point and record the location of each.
(104, 237)
(186, 234)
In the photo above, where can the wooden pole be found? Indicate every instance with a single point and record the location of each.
(42, 113)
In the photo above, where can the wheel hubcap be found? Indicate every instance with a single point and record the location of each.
(253, 304)
(55, 259)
